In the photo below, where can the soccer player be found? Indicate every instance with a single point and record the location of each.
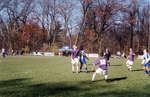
(130, 60)
(82, 59)
(3, 52)
(146, 62)
(107, 55)
(75, 59)
(103, 68)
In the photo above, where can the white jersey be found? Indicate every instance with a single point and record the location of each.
(3, 50)
(146, 58)
(82, 54)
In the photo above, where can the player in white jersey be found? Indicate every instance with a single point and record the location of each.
(146, 62)
(83, 58)
(3, 52)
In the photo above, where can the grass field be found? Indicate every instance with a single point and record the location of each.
(25, 76)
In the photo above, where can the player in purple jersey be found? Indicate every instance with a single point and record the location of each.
(103, 67)
(75, 59)
(130, 60)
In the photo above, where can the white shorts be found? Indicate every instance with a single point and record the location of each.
(129, 62)
(75, 61)
(101, 71)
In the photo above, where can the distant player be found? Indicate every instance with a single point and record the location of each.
(103, 68)
(107, 56)
(3, 52)
(130, 60)
(146, 62)
(75, 59)
(83, 59)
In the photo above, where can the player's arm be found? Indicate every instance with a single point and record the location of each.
(94, 64)
(86, 57)
(144, 61)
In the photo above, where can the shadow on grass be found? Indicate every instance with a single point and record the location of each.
(116, 65)
(138, 70)
(20, 88)
(116, 79)
(129, 93)
(12, 82)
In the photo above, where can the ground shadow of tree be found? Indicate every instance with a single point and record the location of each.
(23, 88)
(19, 88)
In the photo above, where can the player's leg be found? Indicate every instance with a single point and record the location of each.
(145, 69)
(86, 70)
(81, 64)
(148, 71)
(97, 71)
(130, 65)
(93, 77)
(3, 55)
(73, 68)
(127, 64)
(77, 65)
(81, 67)
(105, 73)
(108, 62)
(93, 69)
(85, 66)
(73, 65)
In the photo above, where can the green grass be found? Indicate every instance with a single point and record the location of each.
(25, 76)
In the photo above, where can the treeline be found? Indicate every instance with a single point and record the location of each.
(114, 24)
(49, 24)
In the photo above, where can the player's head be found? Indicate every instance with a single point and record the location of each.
(101, 54)
(130, 49)
(74, 47)
(145, 51)
(107, 50)
(81, 47)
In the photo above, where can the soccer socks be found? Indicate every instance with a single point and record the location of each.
(80, 67)
(93, 77)
(129, 67)
(86, 70)
(77, 68)
(149, 72)
(146, 71)
(106, 77)
(72, 68)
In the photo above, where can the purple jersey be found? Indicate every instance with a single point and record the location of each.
(102, 62)
(75, 53)
(131, 56)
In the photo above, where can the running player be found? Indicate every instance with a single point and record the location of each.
(103, 68)
(3, 52)
(146, 62)
(130, 60)
(82, 59)
(75, 59)
(107, 55)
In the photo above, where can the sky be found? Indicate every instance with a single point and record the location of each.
(76, 14)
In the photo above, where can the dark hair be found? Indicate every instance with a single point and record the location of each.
(81, 47)
(101, 54)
